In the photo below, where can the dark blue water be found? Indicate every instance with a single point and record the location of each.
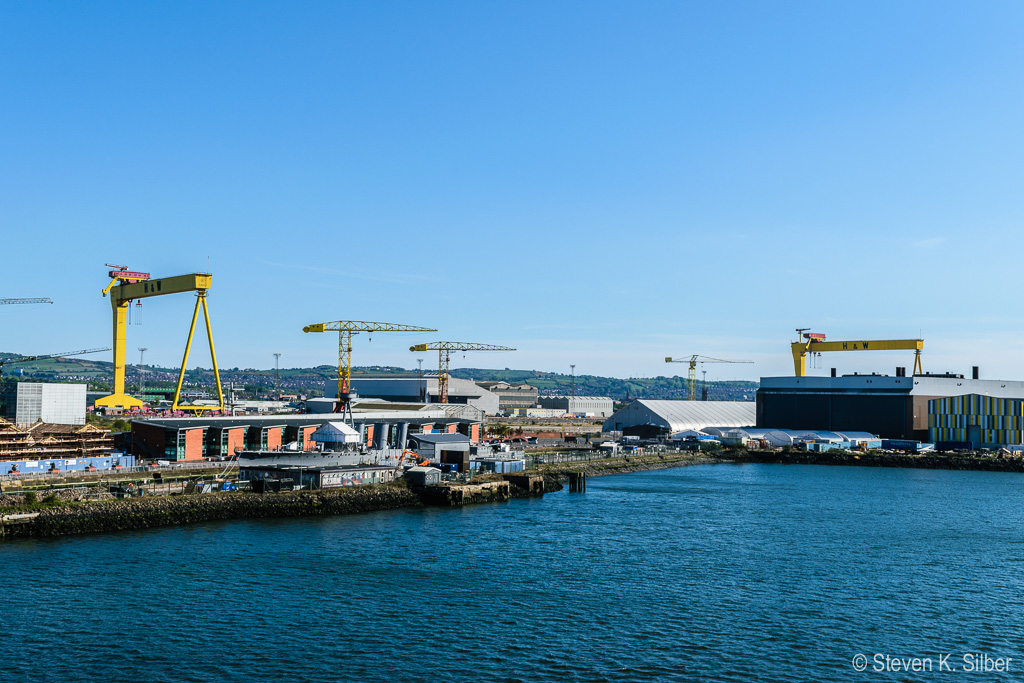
(726, 573)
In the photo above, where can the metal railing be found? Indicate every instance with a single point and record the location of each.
(173, 467)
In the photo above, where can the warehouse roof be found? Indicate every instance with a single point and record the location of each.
(677, 416)
(580, 398)
(440, 438)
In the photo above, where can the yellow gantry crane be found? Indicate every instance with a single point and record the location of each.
(444, 350)
(127, 285)
(345, 330)
(691, 379)
(815, 343)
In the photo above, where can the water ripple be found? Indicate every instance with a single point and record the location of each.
(718, 573)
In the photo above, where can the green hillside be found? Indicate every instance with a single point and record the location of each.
(310, 381)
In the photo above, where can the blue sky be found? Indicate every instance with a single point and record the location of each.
(595, 183)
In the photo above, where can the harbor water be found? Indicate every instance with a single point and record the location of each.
(710, 572)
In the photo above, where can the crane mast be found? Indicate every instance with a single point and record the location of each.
(691, 378)
(444, 350)
(345, 330)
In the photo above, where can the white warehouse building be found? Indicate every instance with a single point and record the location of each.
(419, 390)
(598, 406)
(25, 403)
(648, 419)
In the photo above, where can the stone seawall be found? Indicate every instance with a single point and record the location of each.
(930, 461)
(555, 474)
(143, 513)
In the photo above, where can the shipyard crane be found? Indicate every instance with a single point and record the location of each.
(345, 330)
(444, 350)
(691, 379)
(64, 354)
(32, 300)
(126, 286)
(814, 342)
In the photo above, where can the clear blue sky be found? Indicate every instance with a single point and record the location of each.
(594, 183)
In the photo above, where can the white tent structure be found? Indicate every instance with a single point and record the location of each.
(689, 434)
(331, 434)
(790, 437)
(671, 417)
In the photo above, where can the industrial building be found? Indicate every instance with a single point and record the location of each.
(444, 448)
(976, 420)
(193, 438)
(319, 477)
(649, 419)
(538, 412)
(115, 462)
(589, 406)
(24, 403)
(420, 390)
(893, 407)
(498, 465)
(423, 476)
(512, 397)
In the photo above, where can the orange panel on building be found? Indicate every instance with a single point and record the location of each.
(274, 438)
(369, 435)
(428, 428)
(453, 429)
(236, 440)
(307, 432)
(474, 433)
(194, 444)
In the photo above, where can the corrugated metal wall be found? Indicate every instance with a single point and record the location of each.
(998, 421)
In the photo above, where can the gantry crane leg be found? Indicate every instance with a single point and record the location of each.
(118, 397)
(200, 302)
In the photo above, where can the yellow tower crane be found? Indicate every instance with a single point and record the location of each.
(815, 343)
(345, 330)
(691, 379)
(444, 350)
(127, 285)
(32, 300)
(63, 354)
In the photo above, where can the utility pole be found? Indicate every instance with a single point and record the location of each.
(142, 371)
(277, 375)
(423, 388)
(573, 370)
